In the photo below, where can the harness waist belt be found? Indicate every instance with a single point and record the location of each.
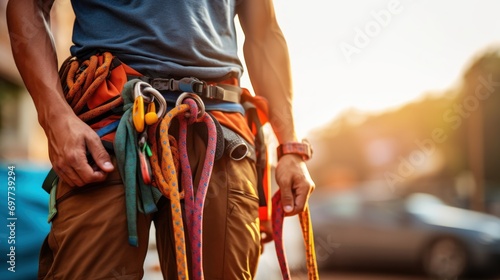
(221, 92)
(210, 105)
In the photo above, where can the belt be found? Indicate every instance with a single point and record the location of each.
(218, 92)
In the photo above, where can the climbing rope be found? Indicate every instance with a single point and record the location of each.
(278, 217)
(194, 203)
(174, 159)
(82, 80)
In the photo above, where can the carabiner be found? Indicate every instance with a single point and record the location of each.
(138, 114)
(145, 93)
(156, 95)
(197, 98)
(145, 166)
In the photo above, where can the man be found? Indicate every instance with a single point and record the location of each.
(88, 239)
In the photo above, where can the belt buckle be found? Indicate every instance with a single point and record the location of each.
(161, 83)
(214, 92)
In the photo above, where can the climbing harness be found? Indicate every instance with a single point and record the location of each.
(133, 118)
(221, 92)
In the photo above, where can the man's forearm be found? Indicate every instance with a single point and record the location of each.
(269, 69)
(268, 63)
(35, 56)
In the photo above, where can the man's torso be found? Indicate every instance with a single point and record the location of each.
(166, 38)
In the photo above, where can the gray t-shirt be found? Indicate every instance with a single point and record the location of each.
(161, 38)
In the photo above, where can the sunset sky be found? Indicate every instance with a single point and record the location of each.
(374, 55)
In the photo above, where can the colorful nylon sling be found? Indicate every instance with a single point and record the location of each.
(165, 170)
(278, 217)
(127, 155)
(257, 115)
(194, 203)
(165, 173)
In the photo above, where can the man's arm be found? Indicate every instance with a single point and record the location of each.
(267, 59)
(35, 56)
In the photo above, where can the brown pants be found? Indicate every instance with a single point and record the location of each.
(89, 238)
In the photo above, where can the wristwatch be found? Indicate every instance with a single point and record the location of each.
(302, 149)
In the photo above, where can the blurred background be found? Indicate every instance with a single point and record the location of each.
(398, 98)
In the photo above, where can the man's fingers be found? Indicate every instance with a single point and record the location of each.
(295, 184)
(68, 175)
(287, 197)
(88, 174)
(300, 189)
(77, 154)
(302, 192)
(300, 202)
(78, 169)
(99, 155)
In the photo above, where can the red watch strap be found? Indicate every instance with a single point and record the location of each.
(299, 148)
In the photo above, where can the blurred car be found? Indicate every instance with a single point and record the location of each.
(372, 230)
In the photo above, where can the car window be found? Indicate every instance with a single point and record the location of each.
(386, 212)
(421, 202)
(337, 205)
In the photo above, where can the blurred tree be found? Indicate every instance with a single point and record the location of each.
(480, 95)
(342, 159)
(439, 137)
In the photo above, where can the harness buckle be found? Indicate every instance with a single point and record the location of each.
(190, 84)
(162, 83)
(213, 92)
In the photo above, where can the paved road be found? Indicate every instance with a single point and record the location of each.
(152, 272)
(366, 276)
(378, 276)
(269, 269)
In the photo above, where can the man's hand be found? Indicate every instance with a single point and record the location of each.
(35, 56)
(69, 141)
(295, 183)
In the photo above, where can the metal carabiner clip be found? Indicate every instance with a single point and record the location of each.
(138, 108)
(145, 167)
(145, 93)
(138, 114)
(197, 99)
(144, 152)
(156, 96)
